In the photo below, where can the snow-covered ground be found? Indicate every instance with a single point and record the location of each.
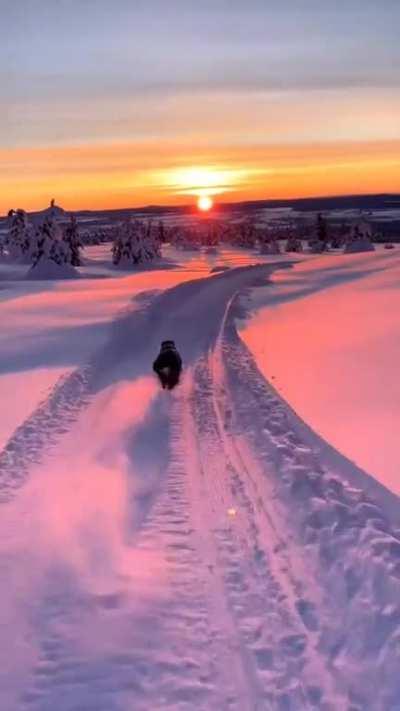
(327, 335)
(199, 549)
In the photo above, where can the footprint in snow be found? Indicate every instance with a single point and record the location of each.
(308, 615)
(294, 644)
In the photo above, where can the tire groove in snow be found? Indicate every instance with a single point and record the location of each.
(51, 419)
(272, 645)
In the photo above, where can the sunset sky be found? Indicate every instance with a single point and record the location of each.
(131, 102)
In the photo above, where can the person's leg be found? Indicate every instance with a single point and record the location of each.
(173, 379)
(163, 379)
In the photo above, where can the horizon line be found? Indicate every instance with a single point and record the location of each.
(191, 206)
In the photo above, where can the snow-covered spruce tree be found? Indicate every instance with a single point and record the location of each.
(293, 244)
(51, 256)
(121, 249)
(135, 243)
(271, 246)
(152, 240)
(210, 234)
(338, 237)
(360, 238)
(227, 233)
(249, 235)
(18, 243)
(246, 234)
(268, 244)
(43, 241)
(162, 233)
(72, 239)
(319, 241)
(187, 239)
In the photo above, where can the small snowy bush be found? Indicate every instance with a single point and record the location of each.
(359, 239)
(271, 246)
(293, 244)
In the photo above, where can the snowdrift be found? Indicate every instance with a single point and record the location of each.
(47, 269)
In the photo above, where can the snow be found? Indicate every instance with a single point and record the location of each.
(48, 269)
(328, 338)
(195, 549)
(359, 245)
(22, 392)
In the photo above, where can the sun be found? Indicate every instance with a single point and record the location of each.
(205, 203)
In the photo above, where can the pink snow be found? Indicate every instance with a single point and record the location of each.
(188, 549)
(328, 338)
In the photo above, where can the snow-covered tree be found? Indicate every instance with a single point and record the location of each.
(246, 234)
(51, 254)
(268, 242)
(338, 238)
(271, 246)
(49, 245)
(135, 243)
(187, 239)
(319, 240)
(210, 236)
(72, 239)
(360, 238)
(18, 241)
(293, 244)
(162, 233)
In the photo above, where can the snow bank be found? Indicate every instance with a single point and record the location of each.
(344, 541)
(22, 392)
(359, 245)
(47, 269)
(328, 337)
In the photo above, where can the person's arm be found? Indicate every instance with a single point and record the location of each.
(159, 363)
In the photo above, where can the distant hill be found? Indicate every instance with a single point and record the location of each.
(346, 202)
(340, 202)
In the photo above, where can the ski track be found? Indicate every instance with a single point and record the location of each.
(281, 582)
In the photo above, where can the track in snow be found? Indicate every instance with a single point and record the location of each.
(234, 545)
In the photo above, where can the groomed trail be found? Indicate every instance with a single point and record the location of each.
(190, 550)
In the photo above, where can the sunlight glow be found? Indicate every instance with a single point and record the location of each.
(203, 180)
(204, 203)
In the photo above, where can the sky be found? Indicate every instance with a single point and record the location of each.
(131, 102)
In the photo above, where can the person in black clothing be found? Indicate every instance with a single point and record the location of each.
(168, 365)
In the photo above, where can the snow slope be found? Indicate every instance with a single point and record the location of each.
(53, 326)
(328, 335)
(189, 550)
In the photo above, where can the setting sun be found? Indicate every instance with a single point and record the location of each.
(204, 203)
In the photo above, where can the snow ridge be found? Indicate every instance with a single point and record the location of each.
(41, 430)
(350, 550)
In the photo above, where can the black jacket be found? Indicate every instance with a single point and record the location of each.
(168, 358)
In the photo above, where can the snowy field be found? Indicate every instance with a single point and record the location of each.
(201, 549)
(331, 345)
